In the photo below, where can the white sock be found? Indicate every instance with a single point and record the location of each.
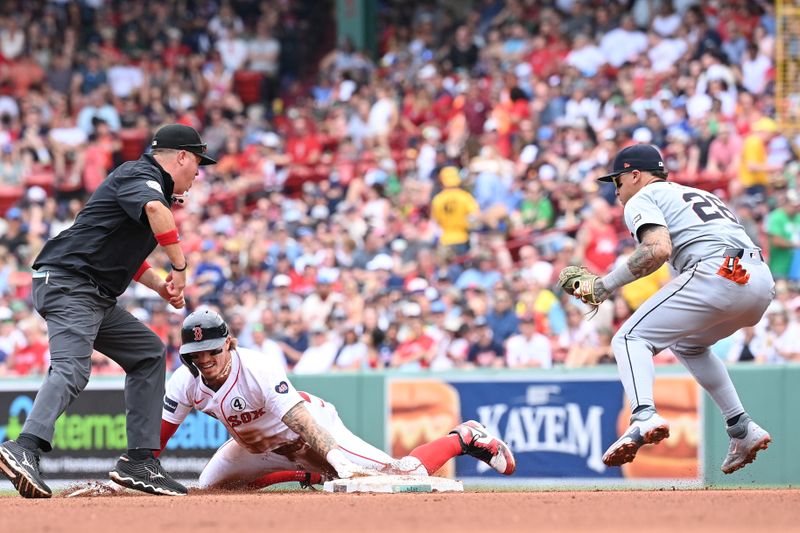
(410, 465)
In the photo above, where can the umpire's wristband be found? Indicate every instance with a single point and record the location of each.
(176, 269)
(618, 277)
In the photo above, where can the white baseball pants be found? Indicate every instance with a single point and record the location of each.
(233, 465)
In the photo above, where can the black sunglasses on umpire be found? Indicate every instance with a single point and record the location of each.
(202, 148)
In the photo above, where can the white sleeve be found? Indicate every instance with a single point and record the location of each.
(279, 393)
(512, 352)
(543, 351)
(736, 347)
(640, 211)
(177, 405)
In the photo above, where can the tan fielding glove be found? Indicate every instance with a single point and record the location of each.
(579, 282)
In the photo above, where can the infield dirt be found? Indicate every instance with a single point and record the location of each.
(675, 511)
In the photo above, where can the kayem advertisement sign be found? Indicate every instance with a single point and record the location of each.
(556, 428)
(91, 435)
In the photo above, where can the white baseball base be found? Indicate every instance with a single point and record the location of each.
(394, 484)
(93, 488)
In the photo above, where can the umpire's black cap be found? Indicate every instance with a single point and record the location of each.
(180, 137)
(635, 157)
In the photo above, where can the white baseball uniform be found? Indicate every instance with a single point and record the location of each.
(699, 306)
(251, 404)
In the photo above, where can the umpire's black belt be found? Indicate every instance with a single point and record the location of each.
(49, 272)
(744, 253)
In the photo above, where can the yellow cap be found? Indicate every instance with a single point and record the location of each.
(765, 125)
(450, 177)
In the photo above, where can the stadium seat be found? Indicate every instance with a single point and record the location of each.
(43, 178)
(134, 141)
(9, 196)
(247, 86)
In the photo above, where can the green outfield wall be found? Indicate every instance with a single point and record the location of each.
(771, 394)
(555, 420)
(359, 399)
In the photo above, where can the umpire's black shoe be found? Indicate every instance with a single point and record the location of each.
(146, 475)
(21, 466)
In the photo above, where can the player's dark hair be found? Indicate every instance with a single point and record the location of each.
(661, 174)
(163, 151)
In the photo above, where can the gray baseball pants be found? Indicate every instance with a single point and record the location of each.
(79, 319)
(688, 315)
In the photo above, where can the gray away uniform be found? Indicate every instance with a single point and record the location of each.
(699, 306)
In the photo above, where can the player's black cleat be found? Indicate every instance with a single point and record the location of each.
(21, 467)
(146, 475)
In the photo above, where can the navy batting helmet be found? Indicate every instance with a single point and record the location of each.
(203, 330)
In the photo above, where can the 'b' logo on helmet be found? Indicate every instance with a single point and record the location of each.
(198, 333)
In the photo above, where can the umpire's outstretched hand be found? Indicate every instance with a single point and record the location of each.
(173, 289)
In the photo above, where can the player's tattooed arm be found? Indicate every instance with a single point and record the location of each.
(655, 249)
(299, 420)
(601, 293)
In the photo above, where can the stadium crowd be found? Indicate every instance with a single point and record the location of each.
(408, 209)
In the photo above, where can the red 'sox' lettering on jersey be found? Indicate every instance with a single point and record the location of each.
(244, 418)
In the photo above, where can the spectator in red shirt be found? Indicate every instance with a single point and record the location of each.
(32, 358)
(303, 145)
(417, 348)
(543, 58)
(723, 153)
(174, 49)
(24, 73)
(232, 159)
(159, 323)
(597, 238)
(99, 155)
(416, 111)
(476, 107)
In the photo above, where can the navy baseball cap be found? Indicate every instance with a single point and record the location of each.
(635, 157)
(180, 137)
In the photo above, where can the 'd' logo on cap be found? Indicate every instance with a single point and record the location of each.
(625, 165)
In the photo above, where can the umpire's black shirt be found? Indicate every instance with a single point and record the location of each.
(111, 237)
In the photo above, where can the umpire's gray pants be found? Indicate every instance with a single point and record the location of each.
(80, 318)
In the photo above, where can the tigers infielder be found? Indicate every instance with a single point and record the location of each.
(277, 428)
(723, 285)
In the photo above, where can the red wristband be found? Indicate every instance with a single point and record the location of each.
(168, 237)
(141, 270)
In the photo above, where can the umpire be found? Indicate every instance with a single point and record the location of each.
(79, 275)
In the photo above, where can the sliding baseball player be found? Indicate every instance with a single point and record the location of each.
(276, 428)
